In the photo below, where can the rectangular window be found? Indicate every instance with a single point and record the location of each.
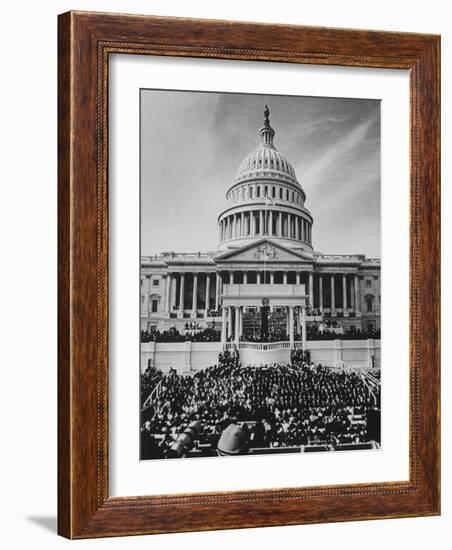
(155, 282)
(155, 304)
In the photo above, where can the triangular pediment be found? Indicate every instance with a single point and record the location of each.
(264, 250)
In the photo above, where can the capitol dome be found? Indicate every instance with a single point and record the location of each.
(266, 199)
(265, 160)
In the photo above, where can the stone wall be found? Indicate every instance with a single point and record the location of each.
(183, 356)
(187, 357)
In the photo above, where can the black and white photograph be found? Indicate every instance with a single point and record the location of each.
(259, 277)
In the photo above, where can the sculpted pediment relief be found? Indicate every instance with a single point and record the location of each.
(262, 251)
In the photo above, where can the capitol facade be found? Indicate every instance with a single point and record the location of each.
(266, 258)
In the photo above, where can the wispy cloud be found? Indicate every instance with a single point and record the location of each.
(335, 155)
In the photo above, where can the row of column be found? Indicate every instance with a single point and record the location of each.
(261, 278)
(265, 222)
(232, 323)
(194, 308)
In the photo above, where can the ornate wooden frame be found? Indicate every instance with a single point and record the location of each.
(85, 42)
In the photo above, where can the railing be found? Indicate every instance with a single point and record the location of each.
(371, 382)
(152, 396)
(262, 346)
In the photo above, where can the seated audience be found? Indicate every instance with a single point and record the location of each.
(290, 405)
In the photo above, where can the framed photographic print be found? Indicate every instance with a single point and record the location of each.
(248, 275)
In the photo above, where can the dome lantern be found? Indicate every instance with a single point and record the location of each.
(266, 132)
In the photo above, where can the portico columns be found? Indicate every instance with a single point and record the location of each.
(207, 295)
(258, 277)
(261, 222)
(279, 232)
(285, 277)
(217, 291)
(223, 325)
(298, 278)
(252, 224)
(311, 289)
(242, 225)
(231, 277)
(270, 222)
(303, 328)
(237, 325)
(167, 292)
(333, 297)
(344, 295)
(321, 292)
(229, 321)
(357, 297)
(245, 277)
(194, 306)
(291, 326)
(272, 277)
(181, 295)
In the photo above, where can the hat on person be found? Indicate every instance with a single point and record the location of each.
(233, 441)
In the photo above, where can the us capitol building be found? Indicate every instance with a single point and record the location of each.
(265, 259)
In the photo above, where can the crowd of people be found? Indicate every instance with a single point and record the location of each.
(189, 335)
(328, 331)
(194, 332)
(290, 405)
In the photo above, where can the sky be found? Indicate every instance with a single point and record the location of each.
(192, 144)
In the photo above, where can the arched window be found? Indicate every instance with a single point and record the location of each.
(154, 299)
(287, 194)
(273, 191)
(280, 192)
(251, 192)
(266, 191)
(258, 191)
